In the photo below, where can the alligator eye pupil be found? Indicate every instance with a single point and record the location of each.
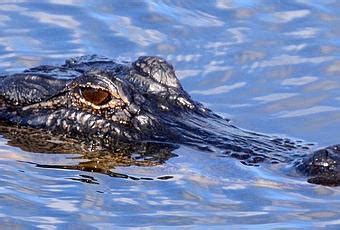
(96, 96)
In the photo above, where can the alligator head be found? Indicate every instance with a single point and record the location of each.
(103, 102)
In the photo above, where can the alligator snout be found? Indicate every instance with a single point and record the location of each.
(323, 166)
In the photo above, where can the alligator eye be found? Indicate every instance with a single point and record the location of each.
(96, 96)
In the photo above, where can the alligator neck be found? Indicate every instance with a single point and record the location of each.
(213, 133)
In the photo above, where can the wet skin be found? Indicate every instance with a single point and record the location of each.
(104, 103)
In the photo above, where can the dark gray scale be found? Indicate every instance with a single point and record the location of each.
(323, 166)
(94, 62)
(25, 89)
(158, 69)
(57, 72)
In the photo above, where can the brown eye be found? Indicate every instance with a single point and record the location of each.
(96, 96)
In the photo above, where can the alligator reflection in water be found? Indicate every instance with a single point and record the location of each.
(106, 103)
(85, 156)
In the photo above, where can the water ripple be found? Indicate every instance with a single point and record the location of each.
(307, 111)
(287, 16)
(286, 59)
(219, 89)
(269, 65)
(274, 97)
(64, 21)
(308, 32)
(299, 80)
(184, 16)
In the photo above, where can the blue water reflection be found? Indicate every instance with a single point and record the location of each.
(269, 66)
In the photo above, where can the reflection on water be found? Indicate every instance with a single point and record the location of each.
(270, 66)
(68, 153)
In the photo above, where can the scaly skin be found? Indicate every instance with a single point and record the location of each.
(102, 101)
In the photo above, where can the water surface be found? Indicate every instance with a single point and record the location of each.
(269, 66)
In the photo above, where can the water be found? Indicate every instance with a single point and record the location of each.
(269, 66)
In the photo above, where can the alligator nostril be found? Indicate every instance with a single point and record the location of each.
(95, 96)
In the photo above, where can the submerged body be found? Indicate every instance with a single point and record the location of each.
(103, 102)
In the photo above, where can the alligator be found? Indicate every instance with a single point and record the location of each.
(103, 102)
